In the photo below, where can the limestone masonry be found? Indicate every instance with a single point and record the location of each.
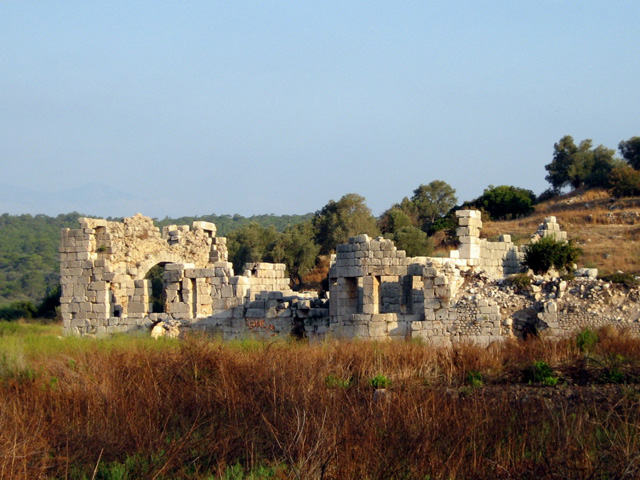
(375, 292)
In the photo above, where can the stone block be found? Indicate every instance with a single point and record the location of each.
(469, 251)
(206, 226)
(255, 313)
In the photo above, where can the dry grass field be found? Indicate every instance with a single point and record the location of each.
(126, 408)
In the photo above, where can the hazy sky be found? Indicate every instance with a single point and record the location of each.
(196, 107)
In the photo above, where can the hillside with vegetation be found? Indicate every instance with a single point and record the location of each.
(606, 228)
(29, 266)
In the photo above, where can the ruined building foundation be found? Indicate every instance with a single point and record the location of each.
(375, 290)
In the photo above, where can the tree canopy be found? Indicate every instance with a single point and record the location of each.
(579, 166)
(624, 181)
(630, 151)
(505, 201)
(433, 201)
(413, 241)
(251, 243)
(337, 221)
(563, 153)
(297, 250)
(394, 219)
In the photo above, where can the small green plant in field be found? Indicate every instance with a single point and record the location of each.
(334, 381)
(236, 472)
(113, 471)
(521, 281)
(586, 340)
(623, 278)
(613, 369)
(475, 379)
(380, 381)
(613, 375)
(540, 372)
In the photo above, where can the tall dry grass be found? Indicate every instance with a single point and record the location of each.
(194, 409)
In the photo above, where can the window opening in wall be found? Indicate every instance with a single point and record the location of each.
(158, 296)
(390, 294)
(351, 300)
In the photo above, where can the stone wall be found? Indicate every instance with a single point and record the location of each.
(104, 290)
(423, 303)
(375, 290)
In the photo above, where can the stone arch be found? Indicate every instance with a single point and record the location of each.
(161, 259)
(156, 259)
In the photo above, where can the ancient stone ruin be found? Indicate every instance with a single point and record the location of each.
(375, 292)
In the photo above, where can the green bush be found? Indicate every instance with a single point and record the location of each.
(475, 379)
(586, 340)
(506, 201)
(448, 222)
(549, 252)
(414, 242)
(624, 278)
(48, 308)
(539, 372)
(334, 381)
(380, 381)
(16, 310)
(521, 281)
(613, 371)
(624, 181)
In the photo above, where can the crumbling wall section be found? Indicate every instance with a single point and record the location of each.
(103, 265)
(368, 294)
(498, 259)
(104, 289)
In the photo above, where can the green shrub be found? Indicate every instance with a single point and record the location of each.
(613, 373)
(334, 381)
(48, 308)
(521, 281)
(413, 241)
(475, 379)
(539, 372)
(624, 181)
(506, 201)
(586, 340)
(380, 381)
(449, 222)
(624, 278)
(549, 252)
(16, 310)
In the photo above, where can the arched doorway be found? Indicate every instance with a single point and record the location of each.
(157, 293)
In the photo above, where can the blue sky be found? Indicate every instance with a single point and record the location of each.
(188, 108)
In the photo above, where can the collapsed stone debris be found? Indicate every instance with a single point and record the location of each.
(375, 290)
